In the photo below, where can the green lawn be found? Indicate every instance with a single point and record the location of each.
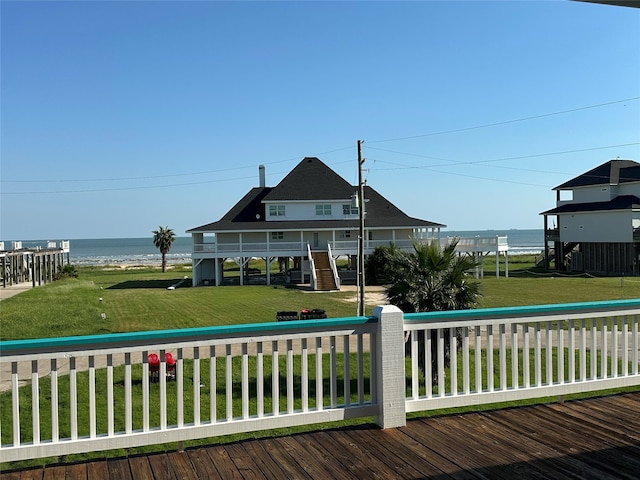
(138, 299)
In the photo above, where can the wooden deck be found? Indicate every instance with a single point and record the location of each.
(596, 438)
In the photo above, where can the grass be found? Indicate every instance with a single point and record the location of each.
(138, 299)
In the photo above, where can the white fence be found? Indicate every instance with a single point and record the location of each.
(498, 355)
(80, 394)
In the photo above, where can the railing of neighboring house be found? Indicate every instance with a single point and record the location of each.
(334, 268)
(343, 247)
(312, 266)
(479, 244)
(552, 234)
(340, 247)
(83, 394)
(249, 248)
(518, 353)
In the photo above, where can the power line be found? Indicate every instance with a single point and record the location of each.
(434, 168)
(505, 122)
(93, 190)
(147, 187)
(206, 172)
(152, 177)
(477, 162)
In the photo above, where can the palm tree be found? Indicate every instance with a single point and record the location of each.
(431, 279)
(162, 239)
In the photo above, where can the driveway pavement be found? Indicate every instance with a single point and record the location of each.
(11, 290)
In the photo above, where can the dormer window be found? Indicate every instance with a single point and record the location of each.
(323, 210)
(276, 210)
(349, 210)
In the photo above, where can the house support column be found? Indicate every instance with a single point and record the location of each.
(268, 261)
(219, 271)
(506, 264)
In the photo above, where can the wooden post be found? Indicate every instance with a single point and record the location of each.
(361, 274)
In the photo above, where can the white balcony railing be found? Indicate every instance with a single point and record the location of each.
(82, 394)
(250, 248)
(347, 247)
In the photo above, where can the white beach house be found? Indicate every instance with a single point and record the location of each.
(304, 223)
(595, 226)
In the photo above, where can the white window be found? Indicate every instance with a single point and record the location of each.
(277, 235)
(349, 210)
(345, 234)
(276, 210)
(324, 210)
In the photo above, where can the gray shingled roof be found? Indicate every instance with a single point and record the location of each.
(311, 180)
(612, 172)
(622, 202)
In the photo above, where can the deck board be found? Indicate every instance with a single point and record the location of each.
(594, 438)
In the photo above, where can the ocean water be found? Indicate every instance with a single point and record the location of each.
(119, 251)
(142, 251)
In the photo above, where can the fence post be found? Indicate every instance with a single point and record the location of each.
(390, 381)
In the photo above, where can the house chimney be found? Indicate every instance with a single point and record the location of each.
(262, 177)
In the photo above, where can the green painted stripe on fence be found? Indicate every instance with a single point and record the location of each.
(524, 311)
(166, 336)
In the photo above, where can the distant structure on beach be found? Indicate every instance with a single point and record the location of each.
(305, 223)
(595, 225)
(36, 265)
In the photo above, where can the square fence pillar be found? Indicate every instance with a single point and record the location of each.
(390, 381)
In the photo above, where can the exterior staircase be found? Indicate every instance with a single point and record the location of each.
(324, 275)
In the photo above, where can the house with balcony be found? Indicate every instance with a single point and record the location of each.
(304, 223)
(595, 225)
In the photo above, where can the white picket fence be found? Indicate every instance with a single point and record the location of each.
(82, 394)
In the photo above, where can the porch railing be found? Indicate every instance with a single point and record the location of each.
(496, 355)
(79, 394)
(334, 268)
(348, 247)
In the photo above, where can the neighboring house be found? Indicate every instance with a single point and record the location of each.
(595, 227)
(304, 223)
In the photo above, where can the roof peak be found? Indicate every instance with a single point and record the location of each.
(311, 179)
(607, 173)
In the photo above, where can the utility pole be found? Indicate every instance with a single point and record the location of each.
(361, 236)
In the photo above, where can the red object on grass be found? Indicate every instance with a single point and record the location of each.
(154, 361)
(169, 359)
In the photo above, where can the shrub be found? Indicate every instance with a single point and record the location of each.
(68, 271)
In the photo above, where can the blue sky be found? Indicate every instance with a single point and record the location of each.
(118, 116)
